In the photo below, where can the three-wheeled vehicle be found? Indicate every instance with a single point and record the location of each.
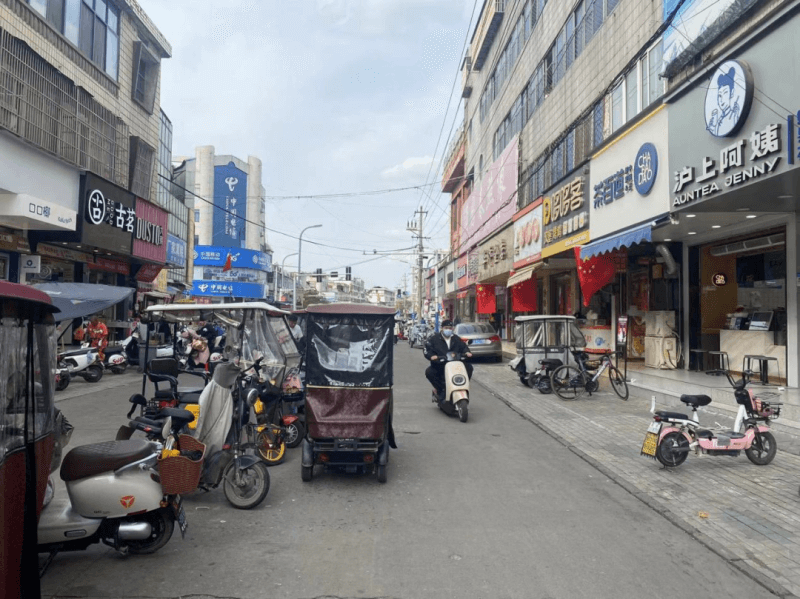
(543, 344)
(27, 431)
(349, 353)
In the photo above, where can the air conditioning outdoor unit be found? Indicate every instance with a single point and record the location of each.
(751, 244)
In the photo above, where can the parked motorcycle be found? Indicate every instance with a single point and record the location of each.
(115, 496)
(456, 395)
(672, 435)
(83, 362)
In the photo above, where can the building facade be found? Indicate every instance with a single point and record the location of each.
(231, 256)
(79, 127)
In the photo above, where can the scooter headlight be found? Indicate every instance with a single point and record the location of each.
(459, 379)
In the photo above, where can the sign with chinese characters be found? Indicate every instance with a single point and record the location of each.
(148, 272)
(461, 272)
(473, 265)
(230, 205)
(176, 251)
(109, 215)
(565, 216)
(495, 255)
(121, 268)
(149, 237)
(628, 181)
(15, 243)
(211, 255)
(59, 253)
(720, 279)
(228, 289)
(22, 211)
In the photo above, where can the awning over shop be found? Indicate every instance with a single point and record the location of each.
(625, 239)
(523, 275)
(76, 300)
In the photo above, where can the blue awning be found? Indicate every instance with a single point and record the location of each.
(624, 239)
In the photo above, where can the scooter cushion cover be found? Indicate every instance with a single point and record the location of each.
(88, 460)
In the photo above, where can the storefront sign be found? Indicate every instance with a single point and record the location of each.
(728, 98)
(228, 289)
(176, 250)
(210, 255)
(149, 238)
(528, 235)
(461, 272)
(148, 272)
(626, 183)
(249, 275)
(493, 254)
(565, 215)
(14, 243)
(230, 202)
(121, 268)
(109, 215)
(720, 279)
(23, 210)
(473, 266)
(493, 203)
(58, 253)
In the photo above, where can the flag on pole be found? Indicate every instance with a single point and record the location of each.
(486, 300)
(594, 274)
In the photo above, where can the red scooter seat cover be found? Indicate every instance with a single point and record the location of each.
(348, 412)
(88, 460)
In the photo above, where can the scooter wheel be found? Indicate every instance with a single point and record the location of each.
(463, 410)
(673, 450)
(93, 373)
(162, 525)
(381, 471)
(524, 380)
(254, 487)
(294, 434)
(270, 447)
(763, 449)
(120, 369)
(63, 382)
(306, 473)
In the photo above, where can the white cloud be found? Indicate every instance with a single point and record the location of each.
(410, 166)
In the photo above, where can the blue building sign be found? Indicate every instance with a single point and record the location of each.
(645, 169)
(176, 250)
(212, 255)
(228, 289)
(230, 199)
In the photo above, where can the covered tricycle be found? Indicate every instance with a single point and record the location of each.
(349, 353)
(543, 344)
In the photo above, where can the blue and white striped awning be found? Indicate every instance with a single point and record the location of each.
(624, 239)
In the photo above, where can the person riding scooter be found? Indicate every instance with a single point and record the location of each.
(438, 345)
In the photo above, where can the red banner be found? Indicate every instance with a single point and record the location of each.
(524, 296)
(121, 268)
(148, 272)
(594, 273)
(485, 299)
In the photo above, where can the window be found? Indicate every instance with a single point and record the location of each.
(631, 94)
(617, 114)
(579, 29)
(92, 25)
(598, 118)
(652, 84)
(145, 76)
(197, 240)
(196, 216)
(570, 40)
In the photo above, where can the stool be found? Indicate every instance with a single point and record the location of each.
(699, 359)
(719, 360)
(763, 366)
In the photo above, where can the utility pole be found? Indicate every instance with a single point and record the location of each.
(416, 226)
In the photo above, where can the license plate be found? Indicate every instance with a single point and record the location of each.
(180, 515)
(480, 341)
(650, 444)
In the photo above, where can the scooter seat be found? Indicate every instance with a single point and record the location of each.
(696, 400)
(88, 460)
(78, 352)
(671, 415)
(114, 349)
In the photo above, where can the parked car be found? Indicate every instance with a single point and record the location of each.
(483, 340)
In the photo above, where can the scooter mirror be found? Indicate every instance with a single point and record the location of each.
(167, 428)
(252, 396)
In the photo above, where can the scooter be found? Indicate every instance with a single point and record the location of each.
(83, 362)
(115, 497)
(456, 394)
(672, 435)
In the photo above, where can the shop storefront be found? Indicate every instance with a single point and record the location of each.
(525, 290)
(734, 142)
(449, 303)
(494, 265)
(626, 275)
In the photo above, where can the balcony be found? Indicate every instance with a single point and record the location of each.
(466, 69)
(454, 171)
(489, 23)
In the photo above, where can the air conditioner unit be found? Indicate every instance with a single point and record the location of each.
(751, 244)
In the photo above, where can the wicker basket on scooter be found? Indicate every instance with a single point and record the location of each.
(179, 473)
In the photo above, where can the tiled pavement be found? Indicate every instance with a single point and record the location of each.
(748, 514)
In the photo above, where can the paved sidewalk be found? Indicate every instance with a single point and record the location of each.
(748, 514)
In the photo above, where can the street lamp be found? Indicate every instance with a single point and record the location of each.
(299, 256)
(283, 263)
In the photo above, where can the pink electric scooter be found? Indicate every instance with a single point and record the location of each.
(672, 435)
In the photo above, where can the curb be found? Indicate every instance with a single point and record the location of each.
(707, 541)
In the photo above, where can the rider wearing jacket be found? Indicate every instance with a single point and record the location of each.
(438, 345)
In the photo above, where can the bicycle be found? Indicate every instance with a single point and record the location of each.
(571, 382)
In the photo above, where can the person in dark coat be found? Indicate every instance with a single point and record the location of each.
(438, 345)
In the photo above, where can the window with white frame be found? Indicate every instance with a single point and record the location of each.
(91, 25)
(145, 76)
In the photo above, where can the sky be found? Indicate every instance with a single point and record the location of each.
(334, 96)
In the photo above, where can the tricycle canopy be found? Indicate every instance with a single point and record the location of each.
(349, 345)
(545, 331)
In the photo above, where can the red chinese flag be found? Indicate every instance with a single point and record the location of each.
(485, 299)
(594, 274)
(523, 296)
(227, 266)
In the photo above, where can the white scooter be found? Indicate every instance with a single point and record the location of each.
(115, 497)
(83, 362)
(456, 395)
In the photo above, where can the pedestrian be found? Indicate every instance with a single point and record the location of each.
(98, 336)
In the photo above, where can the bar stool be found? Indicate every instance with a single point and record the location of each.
(699, 359)
(763, 366)
(719, 360)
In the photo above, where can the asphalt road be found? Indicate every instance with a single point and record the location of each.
(494, 508)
